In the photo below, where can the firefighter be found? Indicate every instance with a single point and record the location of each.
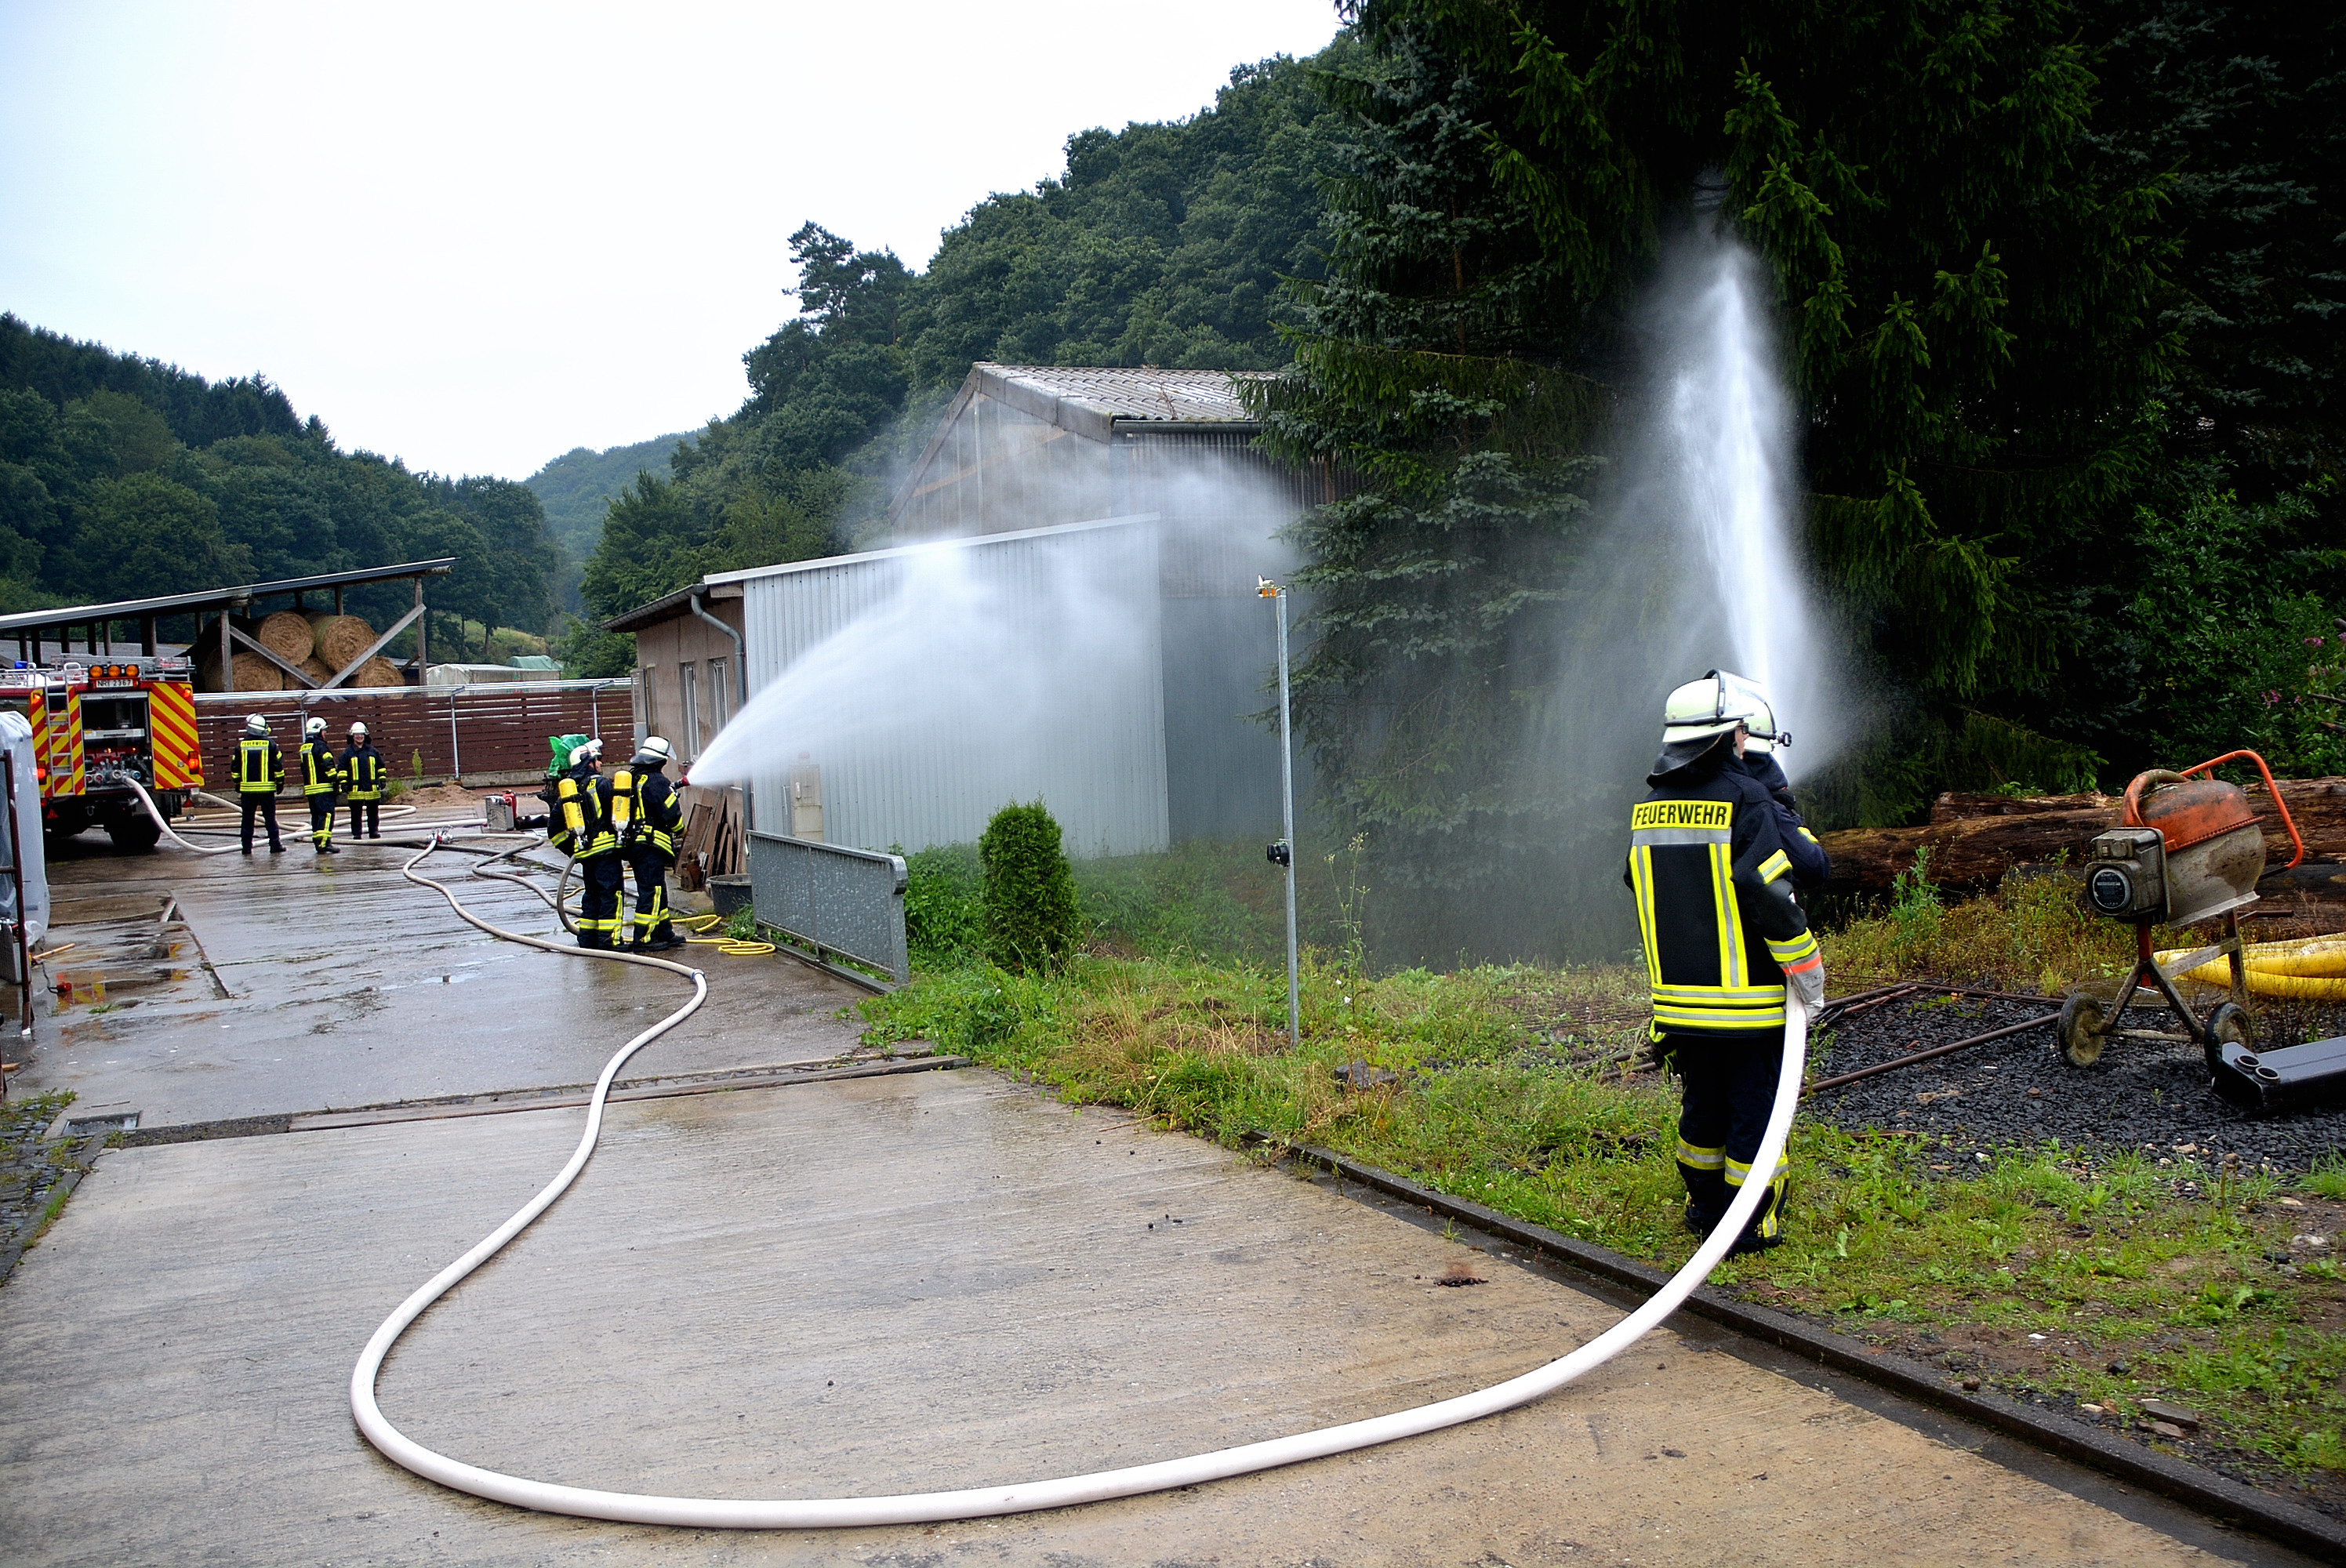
(645, 814)
(1811, 867)
(260, 774)
(364, 775)
(1723, 940)
(321, 775)
(577, 821)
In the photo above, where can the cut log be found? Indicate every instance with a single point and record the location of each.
(1975, 838)
(1967, 854)
(288, 636)
(1958, 807)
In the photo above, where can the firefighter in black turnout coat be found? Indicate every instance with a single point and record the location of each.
(577, 821)
(364, 777)
(321, 776)
(260, 774)
(647, 814)
(1723, 939)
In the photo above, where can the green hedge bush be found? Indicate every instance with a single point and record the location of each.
(1032, 919)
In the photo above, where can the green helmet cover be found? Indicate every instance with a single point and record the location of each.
(562, 746)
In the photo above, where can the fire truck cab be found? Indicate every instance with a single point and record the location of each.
(98, 726)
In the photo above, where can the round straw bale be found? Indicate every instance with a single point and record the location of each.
(288, 636)
(315, 668)
(377, 671)
(252, 673)
(341, 638)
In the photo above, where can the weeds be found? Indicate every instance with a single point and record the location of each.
(2035, 933)
(2045, 1269)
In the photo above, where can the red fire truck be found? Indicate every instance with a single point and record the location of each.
(99, 724)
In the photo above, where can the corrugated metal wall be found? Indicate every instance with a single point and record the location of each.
(1092, 748)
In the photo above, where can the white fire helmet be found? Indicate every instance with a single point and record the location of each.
(587, 752)
(1713, 705)
(316, 726)
(256, 725)
(655, 749)
(1701, 710)
(358, 730)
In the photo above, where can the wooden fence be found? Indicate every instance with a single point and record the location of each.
(472, 732)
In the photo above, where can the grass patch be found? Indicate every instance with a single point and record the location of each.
(2035, 936)
(30, 1169)
(2104, 1281)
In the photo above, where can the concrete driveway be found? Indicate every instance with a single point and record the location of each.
(846, 1288)
(348, 985)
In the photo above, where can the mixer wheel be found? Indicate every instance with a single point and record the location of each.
(2078, 1037)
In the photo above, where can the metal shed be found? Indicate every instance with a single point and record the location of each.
(1145, 478)
(1082, 726)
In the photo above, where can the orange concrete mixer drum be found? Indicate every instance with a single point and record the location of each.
(2215, 850)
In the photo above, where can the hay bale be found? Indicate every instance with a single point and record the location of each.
(252, 673)
(341, 638)
(288, 636)
(376, 672)
(315, 668)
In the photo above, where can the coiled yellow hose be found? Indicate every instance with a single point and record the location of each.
(730, 946)
(2313, 970)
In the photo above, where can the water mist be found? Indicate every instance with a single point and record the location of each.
(1694, 562)
(1728, 437)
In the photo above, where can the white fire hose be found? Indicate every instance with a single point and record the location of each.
(840, 1513)
(974, 1502)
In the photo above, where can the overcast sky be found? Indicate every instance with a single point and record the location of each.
(476, 236)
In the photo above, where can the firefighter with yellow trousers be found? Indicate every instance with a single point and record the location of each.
(577, 821)
(363, 778)
(1723, 940)
(321, 779)
(260, 775)
(645, 814)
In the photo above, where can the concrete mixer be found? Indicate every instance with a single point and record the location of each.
(2187, 850)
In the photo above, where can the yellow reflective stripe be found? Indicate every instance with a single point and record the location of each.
(1641, 879)
(1701, 1159)
(1722, 995)
(1774, 865)
(1732, 969)
(1725, 1019)
(1737, 1170)
(1792, 952)
(1811, 838)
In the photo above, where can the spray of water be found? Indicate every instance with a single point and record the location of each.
(1730, 436)
(1693, 563)
(1105, 668)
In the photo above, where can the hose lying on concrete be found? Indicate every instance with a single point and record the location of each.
(725, 1514)
(169, 831)
(841, 1513)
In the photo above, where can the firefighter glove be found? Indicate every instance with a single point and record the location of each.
(1806, 981)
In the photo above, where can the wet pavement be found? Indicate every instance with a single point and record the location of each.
(907, 1283)
(285, 987)
(902, 1284)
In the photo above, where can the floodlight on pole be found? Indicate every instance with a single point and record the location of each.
(1283, 854)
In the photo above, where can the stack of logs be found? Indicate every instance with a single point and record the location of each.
(1975, 840)
(321, 646)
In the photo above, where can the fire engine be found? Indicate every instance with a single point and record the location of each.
(98, 725)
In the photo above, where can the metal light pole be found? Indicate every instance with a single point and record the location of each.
(1283, 853)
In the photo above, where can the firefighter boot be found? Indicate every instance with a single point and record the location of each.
(1704, 1172)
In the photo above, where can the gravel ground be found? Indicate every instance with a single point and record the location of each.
(2143, 1094)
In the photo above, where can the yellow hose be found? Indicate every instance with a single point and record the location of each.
(2310, 971)
(730, 946)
